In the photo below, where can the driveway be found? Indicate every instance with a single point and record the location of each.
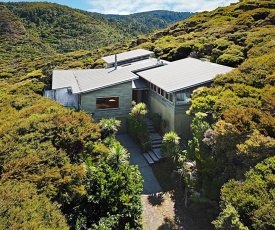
(150, 184)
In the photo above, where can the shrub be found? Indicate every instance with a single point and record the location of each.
(109, 127)
(157, 120)
(170, 145)
(137, 129)
(5, 75)
(229, 60)
(136, 126)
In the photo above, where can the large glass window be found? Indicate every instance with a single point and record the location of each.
(183, 97)
(107, 103)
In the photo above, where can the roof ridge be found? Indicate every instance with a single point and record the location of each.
(76, 80)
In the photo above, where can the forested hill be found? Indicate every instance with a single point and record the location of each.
(147, 22)
(223, 35)
(60, 171)
(35, 27)
(233, 144)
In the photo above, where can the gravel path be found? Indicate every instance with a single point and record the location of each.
(158, 212)
(150, 184)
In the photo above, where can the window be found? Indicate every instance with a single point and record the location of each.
(158, 90)
(107, 103)
(170, 97)
(183, 97)
(162, 92)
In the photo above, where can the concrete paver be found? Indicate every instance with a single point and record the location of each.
(150, 184)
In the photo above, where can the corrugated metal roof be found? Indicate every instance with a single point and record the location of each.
(93, 79)
(63, 79)
(127, 55)
(183, 74)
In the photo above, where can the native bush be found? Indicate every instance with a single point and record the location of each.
(136, 126)
(253, 198)
(137, 129)
(170, 146)
(157, 121)
(23, 208)
(109, 127)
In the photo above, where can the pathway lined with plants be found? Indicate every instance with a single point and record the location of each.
(158, 208)
(150, 184)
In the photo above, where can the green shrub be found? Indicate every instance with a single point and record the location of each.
(5, 75)
(157, 121)
(137, 129)
(229, 60)
(136, 126)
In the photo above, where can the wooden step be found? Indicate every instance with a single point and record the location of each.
(158, 153)
(156, 141)
(156, 145)
(155, 136)
(148, 158)
(153, 156)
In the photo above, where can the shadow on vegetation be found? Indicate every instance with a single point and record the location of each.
(156, 199)
(193, 217)
(168, 225)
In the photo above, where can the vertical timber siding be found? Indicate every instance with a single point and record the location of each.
(123, 91)
(158, 104)
(183, 121)
(175, 115)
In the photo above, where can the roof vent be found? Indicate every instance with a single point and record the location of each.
(115, 61)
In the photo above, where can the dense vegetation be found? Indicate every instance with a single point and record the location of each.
(54, 159)
(77, 175)
(48, 28)
(137, 127)
(234, 125)
(146, 22)
(224, 35)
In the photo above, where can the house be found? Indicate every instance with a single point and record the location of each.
(164, 86)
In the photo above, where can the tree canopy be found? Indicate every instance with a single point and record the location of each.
(73, 171)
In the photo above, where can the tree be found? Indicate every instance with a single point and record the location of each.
(109, 127)
(117, 155)
(113, 198)
(139, 110)
(170, 145)
(229, 219)
(209, 165)
(253, 198)
(23, 208)
(136, 126)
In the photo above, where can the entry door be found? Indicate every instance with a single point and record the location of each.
(137, 96)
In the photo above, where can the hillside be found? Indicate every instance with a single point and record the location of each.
(147, 22)
(233, 129)
(54, 159)
(30, 29)
(221, 36)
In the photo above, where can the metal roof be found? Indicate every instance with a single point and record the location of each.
(92, 79)
(127, 56)
(183, 74)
